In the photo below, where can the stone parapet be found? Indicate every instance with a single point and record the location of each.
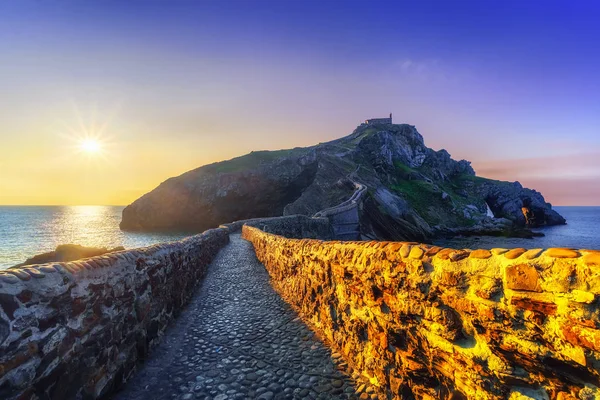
(292, 226)
(347, 205)
(79, 329)
(344, 217)
(420, 321)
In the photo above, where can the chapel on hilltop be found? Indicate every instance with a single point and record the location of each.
(379, 120)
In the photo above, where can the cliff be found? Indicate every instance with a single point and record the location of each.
(413, 192)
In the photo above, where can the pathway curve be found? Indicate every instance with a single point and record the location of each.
(237, 339)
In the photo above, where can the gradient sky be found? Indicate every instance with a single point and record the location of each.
(513, 87)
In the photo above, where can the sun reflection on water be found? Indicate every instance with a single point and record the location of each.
(26, 231)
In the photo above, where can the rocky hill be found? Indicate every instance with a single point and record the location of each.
(414, 192)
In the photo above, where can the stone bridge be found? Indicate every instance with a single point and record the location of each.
(215, 316)
(344, 217)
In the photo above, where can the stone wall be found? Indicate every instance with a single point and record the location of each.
(344, 217)
(78, 329)
(424, 322)
(292, 226)
(374, 121)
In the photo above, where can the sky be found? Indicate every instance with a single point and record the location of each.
(167, 86)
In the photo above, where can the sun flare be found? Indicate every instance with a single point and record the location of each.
(90, 146)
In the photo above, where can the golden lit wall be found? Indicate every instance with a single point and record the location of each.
(435, 323)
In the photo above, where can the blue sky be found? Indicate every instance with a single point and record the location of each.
(511, 86)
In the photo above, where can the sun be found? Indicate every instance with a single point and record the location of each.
(90, 146)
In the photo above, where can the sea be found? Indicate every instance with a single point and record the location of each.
(29, 230)
(581, 232)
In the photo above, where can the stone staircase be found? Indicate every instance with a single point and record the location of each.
(344, 217)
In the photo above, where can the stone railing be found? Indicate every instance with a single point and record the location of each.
(344, 217)
(78, 329)
(292, 226)
(425, 322)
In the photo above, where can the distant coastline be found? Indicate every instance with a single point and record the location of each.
(582, 231)
(26, 231)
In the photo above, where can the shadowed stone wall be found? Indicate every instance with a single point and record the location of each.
(344, 217)
(292, 226)
(78, 329)
(425, 322)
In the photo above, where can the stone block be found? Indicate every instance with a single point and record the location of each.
(514, 253)
(522, 277)
(562, 253)
(481, 254)
(416, 252)
(592, 259)
(532, 254)
(528, 303)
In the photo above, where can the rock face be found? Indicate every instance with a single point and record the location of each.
(413, 192)
(76, 330)
(422, 322)
(260, 184)
(68, 252)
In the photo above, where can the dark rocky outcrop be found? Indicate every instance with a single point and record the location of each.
(260, 184)
(68, 252)
(413, 192)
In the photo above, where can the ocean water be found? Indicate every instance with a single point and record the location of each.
(30, 230)
(27, 231)
(581, 232)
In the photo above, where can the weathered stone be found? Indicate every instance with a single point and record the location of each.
(562, 253)
(416, 253)
(534, 305)
(4, 330)
(532, 254)
(526, 314)
(514, 253)
(9, 304)
(405, 250)
(47, 269)
(433, 251)
(458, 255)
(592, 259)
(565, 396)
(581, 296)
(104, 339)
(481, 254)
(9, 278)
(444, 254)
(498, 251)
(34, 273)
(582, 336)
(522, 277)
(22, 275)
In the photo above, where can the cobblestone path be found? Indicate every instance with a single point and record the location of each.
(237, 339)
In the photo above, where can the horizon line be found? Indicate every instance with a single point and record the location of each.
(125, 205)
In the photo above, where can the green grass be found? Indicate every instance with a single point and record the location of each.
(251, 160)
(477, 179)
(426, 198)
(366, 132)
(421, 195)
(403, 168)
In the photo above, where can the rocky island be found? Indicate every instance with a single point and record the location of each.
(412, 191)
